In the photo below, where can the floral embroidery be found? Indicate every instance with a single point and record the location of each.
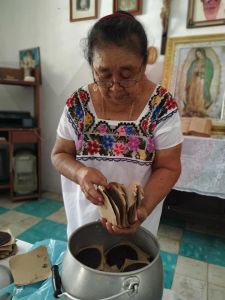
(119, 149)
(162, 91)
(141, 154)
(81, 126)
(88, 118)
(83, 95)
(107, 142)
(93, 147)
(121, 131)
(150, 145)
(133, 143)
(79, 111)
(153, 125)
(145, 124)
(126, 129)
(102, 128)
(69, 101)
(129, 130)
(79, 143)
(162, 109)
(170, 104)
(127, 140)
(156, 100)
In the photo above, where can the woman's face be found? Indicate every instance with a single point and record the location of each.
(199, 54)
(118, 67)
(211, 8)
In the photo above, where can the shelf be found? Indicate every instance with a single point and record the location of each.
(25, 136)
(19, 129)
(17, 82)
(16, 137)
(4, 142)
(25, 197)
(12, 76)
(4, 186)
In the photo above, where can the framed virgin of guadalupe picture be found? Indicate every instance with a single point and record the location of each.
(132, 6)
(83, 10)
(194, 73)
(202, 13)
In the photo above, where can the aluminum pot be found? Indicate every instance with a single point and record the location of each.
(5, 280)
(81, 282)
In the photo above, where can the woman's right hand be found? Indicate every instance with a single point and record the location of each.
(88, 178)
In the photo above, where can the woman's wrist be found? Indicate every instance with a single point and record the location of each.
(80, 174)
(149, 205)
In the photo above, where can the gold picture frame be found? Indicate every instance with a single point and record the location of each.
(132, 6)
(83, 10)
(194, 73)
(208, 13)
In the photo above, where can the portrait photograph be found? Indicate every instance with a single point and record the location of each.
(132, 6)
(194, 73)
(202, 13)
(83, 10)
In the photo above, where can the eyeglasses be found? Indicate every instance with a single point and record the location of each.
(124, 83)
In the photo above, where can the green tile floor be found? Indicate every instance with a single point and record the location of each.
(193, 255)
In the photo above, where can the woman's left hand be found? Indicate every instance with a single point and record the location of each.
(142, 214)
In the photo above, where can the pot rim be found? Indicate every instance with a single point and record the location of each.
(115, 273)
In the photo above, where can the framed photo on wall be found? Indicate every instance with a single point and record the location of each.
(29, 59)
(83, 10)
(202, 13)
(194, 72)
(132, 6)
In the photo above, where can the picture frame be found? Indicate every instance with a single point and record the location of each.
(83, 10)
(132, 6)
(29, 60)
(202, 13)
(194, 73)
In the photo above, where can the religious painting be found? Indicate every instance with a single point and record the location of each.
(29, 60)
(83, 10)
(203, 13)
(132, 6)
(194, 72)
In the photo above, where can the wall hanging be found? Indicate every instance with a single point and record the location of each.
(132, 6)
(202, 13)
(83, 10)
(194, 73)
(29, 60)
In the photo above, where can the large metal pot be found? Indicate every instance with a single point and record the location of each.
(81, 282)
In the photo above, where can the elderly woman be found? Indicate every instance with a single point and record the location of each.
(122, 127)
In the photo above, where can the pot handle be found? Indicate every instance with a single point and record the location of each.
(56, 281)
(130, 286)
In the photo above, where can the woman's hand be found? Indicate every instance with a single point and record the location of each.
(88, 179)
(142, 214)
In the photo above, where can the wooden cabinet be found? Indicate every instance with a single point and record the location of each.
(13, 140)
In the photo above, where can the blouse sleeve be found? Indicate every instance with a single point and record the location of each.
(65, 129)
(72, 120)
(167, 131)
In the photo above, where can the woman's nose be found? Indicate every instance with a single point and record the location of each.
(115, 85)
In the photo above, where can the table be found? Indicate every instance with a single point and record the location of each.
(203, 166)
(24, 247)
